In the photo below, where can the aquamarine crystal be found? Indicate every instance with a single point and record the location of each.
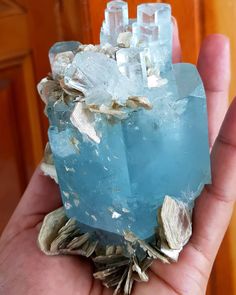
(60, 55)
(133, 128)
(116, 21)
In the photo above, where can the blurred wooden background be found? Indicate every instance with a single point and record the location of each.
(27, 29)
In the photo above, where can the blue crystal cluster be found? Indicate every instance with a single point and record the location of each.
(136, 128)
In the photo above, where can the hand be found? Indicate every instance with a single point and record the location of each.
(25, 270)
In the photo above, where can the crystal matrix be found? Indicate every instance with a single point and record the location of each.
(128, 127)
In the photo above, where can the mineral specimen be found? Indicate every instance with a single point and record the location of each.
(117, 266)
(128, 128)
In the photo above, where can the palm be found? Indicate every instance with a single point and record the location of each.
(25, 270)
(39, 274)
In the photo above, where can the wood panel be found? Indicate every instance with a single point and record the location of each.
(21, 145)
(10, 159)
(72, 26)
(222, 280)
(21, 138)
(232, 249)
(14, 39)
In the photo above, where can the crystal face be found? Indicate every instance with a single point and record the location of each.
(93, 72)
(116, 21)
(147, 14)
(60, 55)
(131, 63)
(127, 130)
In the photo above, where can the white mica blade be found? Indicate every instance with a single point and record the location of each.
(49, 170)
(83, 120)
(176, 222)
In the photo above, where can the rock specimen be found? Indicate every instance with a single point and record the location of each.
(127, 129)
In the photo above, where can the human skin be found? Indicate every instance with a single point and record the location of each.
(24, 270)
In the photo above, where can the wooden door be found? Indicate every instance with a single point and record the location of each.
(21, 138)
(27, 29)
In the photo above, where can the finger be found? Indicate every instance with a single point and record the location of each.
(214, 207)
(176, 43)
(41, 197)
(214, 67)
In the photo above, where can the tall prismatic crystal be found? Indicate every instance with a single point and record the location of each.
(127, 127)
(116, 21)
